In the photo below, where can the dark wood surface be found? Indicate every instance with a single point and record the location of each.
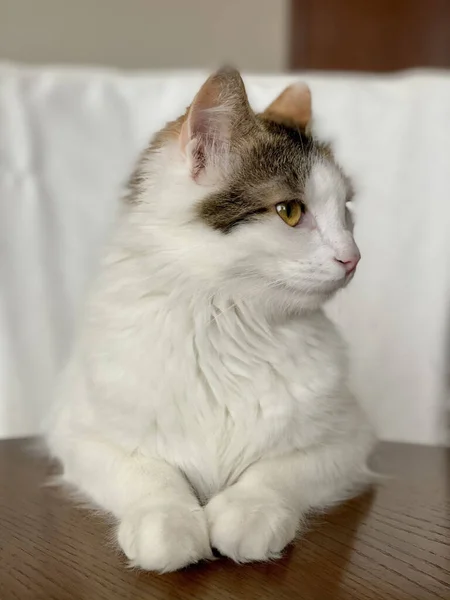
(369, 35)
(388, 545)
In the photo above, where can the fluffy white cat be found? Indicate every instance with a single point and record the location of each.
(206, 404)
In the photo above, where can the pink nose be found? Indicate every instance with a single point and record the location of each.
(349, 263)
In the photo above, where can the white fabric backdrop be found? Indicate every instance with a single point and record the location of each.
(68, 139)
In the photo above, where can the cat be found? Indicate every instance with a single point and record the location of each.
(206, 404)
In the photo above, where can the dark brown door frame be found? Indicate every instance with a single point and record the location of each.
(369, 35)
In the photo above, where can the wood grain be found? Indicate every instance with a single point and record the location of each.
(393, 544)
(369, 35)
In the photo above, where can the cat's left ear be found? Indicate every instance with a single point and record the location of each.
(218, 118)
(292, 105)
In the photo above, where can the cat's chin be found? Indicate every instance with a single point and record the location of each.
(297, 300)
(316, 298)
(319, 293)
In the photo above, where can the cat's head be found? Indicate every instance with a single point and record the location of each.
(245, 204)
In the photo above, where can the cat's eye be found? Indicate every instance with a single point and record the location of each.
(290, 212)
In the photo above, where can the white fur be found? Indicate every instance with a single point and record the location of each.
(206, 402)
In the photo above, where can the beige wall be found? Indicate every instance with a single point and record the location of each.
(250, 34)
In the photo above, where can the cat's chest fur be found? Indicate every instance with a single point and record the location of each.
(212, 395)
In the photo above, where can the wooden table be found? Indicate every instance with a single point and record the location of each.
(389, 545)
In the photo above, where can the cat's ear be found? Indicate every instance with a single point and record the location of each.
(218, 117)
(293, 104)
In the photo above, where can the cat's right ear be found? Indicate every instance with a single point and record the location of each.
(293, 104)
(219, 115)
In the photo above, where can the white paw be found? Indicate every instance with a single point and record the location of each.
(164, 538)
(248, 526)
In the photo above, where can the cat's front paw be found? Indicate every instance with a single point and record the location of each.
(164, 538)
(250, 525)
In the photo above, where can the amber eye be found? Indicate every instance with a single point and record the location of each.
(290, 212)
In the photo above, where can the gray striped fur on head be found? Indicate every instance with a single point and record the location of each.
(270, 154)
(274, 163)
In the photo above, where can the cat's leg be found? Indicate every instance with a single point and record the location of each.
(255, 518)
(162, 526)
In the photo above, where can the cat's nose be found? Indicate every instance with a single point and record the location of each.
(349, 262)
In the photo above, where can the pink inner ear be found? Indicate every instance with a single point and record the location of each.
(219, 113)
(206, 132)
(204, 139)
(184, 137)
(207, 114)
